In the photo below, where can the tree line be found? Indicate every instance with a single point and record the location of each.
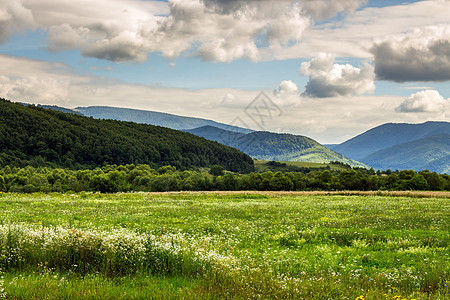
(127, 178)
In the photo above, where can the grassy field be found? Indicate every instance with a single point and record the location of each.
(225, 245)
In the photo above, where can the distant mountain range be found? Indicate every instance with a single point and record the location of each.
(265, 145)
(152, 118)
(402, 146)
(388, 146)
(260, 145)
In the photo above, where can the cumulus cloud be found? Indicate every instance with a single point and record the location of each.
(354, 34)
(107, 29)
(228, 98)
(425, 101)
(128, 30)
(287, 93)
(419, 55)
(327, 79)
(286, 87)
(324, 9)
(14, 17)
(229, 30)
(45, 90)
(36, 81)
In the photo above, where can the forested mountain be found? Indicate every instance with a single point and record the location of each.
(389, 135)
(37, 136)
(431, 153)
(274, 146)
(152, 118)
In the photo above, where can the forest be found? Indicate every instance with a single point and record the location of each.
(128, 178)
(39, 137)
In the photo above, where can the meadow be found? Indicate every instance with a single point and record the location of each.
(214, 245)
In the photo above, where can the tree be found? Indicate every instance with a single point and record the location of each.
(216, 170)
(435, 182)
(279, 182)
(418, 182)
(2, 184)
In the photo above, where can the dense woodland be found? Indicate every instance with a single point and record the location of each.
(34, 136)
(143, 178)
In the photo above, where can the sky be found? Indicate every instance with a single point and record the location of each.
(328, 69)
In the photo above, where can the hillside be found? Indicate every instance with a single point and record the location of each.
(274, 146)
(43, 137)
(152, 118)
(389, 135)
(432, 153)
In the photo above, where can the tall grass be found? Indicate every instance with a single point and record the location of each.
(115, 252)
(228, 245)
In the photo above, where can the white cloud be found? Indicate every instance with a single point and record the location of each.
(30, 89)
(324, 9)
(35, 81)
(287, 93)
(425, 101)
(327, 79)
(354, 34)
(225, 31)
(286, 87)
(422, 54)
(127, 30)
(216, 30)
(14, 17)
(106, 29)
(228, 98)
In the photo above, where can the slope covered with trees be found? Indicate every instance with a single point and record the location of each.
(35, 136)
(274, 146)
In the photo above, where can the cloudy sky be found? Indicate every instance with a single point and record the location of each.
(331, 68)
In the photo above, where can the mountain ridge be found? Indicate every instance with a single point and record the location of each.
(388, 135)
(401, 146)
(430, 153)
(266, 145)
(153, 118)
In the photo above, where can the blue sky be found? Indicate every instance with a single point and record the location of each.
(334, 67)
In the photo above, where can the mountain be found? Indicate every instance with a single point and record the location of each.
(44, 137)
(61, 109)
(226, 137)
(274, 146)
(152, 118)
(389, 135)
(431, 153)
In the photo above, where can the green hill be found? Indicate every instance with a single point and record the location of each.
(275, 146)
(44, 137)
(431, 153)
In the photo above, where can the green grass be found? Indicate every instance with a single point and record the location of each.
(224, 245)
